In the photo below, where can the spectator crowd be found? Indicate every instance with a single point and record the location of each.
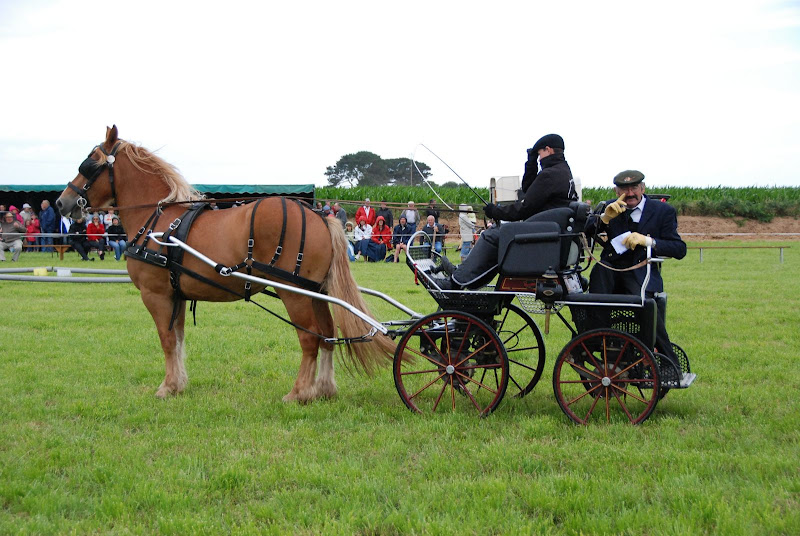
(380, 235)
(27, 230)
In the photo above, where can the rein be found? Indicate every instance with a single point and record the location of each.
(589, 254)
(161, 205)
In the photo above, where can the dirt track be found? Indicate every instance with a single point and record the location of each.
(707, 228)
(695, 228)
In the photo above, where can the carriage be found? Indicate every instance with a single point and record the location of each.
(482, 343)
(478, 344)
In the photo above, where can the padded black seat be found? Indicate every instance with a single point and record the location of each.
(529, 249)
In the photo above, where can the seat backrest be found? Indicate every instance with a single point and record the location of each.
(571, 221)
(529, 249)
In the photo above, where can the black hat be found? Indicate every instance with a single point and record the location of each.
(628, 177)
(550, 140)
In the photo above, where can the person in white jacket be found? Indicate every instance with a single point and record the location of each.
(466, 224)
(362, 235)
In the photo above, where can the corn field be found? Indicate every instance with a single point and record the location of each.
(755, 203)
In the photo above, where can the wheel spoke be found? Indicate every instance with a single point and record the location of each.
(595, 388)
(591, 409)
(426, 386)
(591, 356)
(642, 400)
(476, 382)
(472, 398)
(439, 398)
(624, 407)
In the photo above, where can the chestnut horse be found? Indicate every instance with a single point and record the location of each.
(135, 180)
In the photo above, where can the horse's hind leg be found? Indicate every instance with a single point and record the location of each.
(301, 313)
(325, 384)
(160, 307)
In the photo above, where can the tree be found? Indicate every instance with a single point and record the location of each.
(368, 169)
(400, 171)
(362, 168)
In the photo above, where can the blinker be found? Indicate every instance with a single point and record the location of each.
(91, 169)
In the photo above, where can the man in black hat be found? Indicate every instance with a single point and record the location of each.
(552, 187)
(633, 221)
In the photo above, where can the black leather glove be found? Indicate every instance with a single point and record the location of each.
(489, 211)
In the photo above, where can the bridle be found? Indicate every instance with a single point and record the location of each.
(91, 169)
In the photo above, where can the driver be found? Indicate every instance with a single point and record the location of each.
(552, 187)
(639, 222)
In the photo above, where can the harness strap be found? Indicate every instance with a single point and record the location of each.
(279, 249)
(302, 241)
(213, 283)
(250, 245)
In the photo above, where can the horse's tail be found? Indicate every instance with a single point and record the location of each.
(339, 283)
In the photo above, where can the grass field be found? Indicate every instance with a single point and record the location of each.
(85, 447)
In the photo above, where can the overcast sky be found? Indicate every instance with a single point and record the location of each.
(691, 93)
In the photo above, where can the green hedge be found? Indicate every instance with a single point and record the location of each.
(755, 203)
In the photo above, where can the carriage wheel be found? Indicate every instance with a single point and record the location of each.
(450, 359)
(524, 346)
(606, 374)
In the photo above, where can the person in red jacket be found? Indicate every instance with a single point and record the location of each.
(380, 242)
(95, 232)
(366, 212)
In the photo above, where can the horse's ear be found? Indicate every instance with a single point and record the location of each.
(112, 135)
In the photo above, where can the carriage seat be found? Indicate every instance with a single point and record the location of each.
(548, 240)
(572, 221)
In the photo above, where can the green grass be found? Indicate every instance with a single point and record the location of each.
(85, 447)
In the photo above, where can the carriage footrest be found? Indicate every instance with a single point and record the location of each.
(687, 379)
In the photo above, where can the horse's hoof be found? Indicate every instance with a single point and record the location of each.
(326, 389)
(294, 396)
(164, 392)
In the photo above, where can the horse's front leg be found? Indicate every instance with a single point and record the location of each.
(160, 307)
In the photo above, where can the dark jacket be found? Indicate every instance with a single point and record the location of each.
(47, 220)
(116, 232)
(79, 229)
(402, 234)
(552, 187)
(439, 232)
(660, 222)
(388, 217)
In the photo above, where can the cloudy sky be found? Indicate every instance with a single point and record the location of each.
(690, 92)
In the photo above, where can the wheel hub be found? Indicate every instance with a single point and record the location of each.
(606, 381)
(450, 369)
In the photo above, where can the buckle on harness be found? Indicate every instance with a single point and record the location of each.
(251, 243)
(174, 225)
(278, 250)
(300, 257)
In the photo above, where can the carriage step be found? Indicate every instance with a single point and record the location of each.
(687, 378)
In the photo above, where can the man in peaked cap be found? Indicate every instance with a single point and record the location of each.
(552, 187)
(644, 222)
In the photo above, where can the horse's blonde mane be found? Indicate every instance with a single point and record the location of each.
(147, 162)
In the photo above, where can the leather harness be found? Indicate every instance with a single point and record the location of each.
(172, 258)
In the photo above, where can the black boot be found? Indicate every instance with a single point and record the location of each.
(447, 267)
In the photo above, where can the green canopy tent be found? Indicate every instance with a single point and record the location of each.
(34, 194)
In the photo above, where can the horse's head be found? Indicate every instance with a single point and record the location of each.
(86, 189)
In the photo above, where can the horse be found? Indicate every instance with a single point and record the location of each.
(142, 185)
